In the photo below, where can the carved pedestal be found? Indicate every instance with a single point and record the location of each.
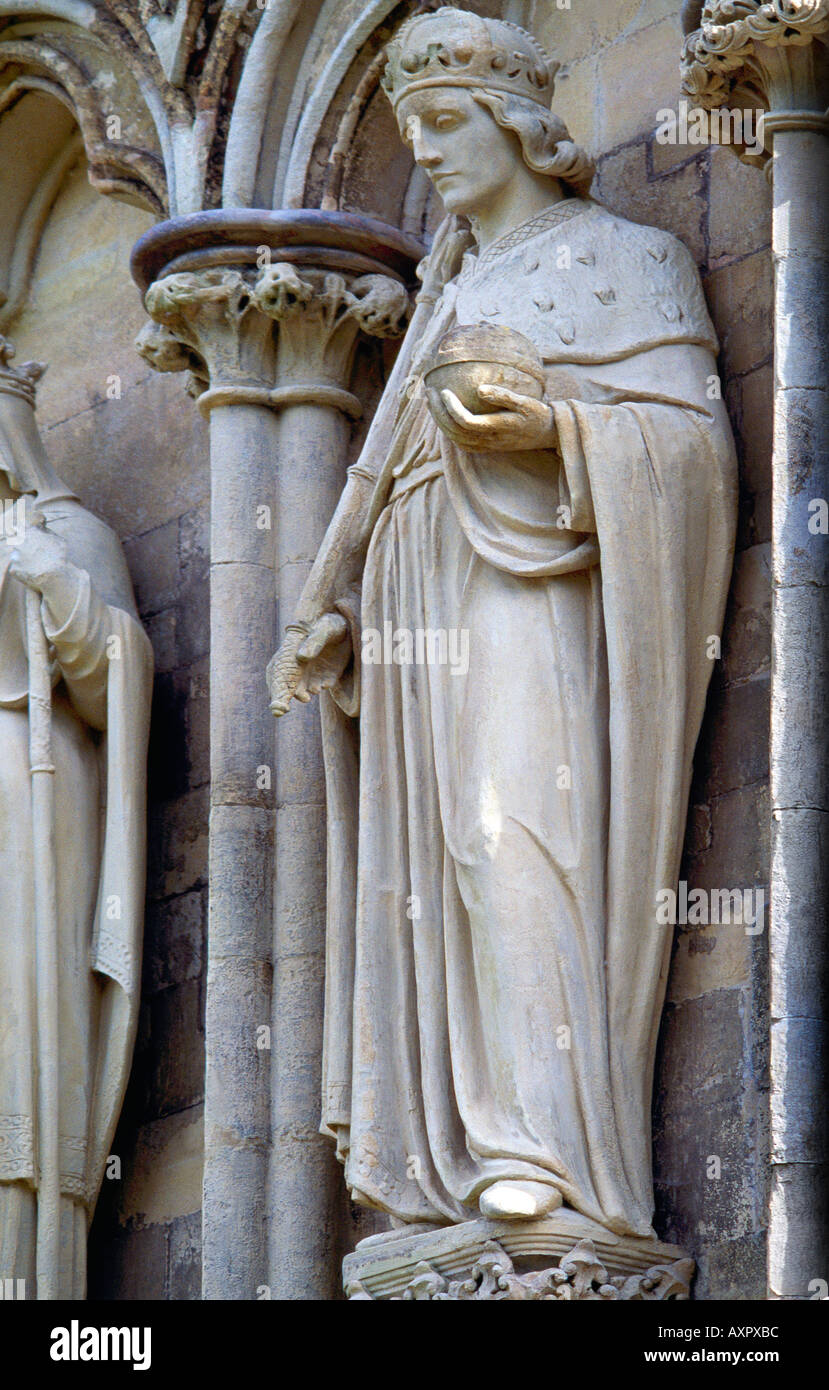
(565, 1256)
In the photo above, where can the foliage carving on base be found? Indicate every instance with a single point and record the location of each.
(579, 1275)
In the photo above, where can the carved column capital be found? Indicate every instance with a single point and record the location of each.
(320, 315)
(218, 325)
(208, 323)
(278, 333)
(769, 55)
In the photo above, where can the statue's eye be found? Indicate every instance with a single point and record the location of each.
(445, 121)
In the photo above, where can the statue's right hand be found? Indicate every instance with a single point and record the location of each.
(309, 660)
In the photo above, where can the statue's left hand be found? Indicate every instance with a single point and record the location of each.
(518, 422)
(40, 559)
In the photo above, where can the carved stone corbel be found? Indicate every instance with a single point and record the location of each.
(164, 352)
(474, 1263)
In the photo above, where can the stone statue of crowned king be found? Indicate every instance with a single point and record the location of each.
(550, 474)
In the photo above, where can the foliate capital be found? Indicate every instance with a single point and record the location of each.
(254, 337)
(377, 304)
(320, 315)
(207, 321)
(771, 54)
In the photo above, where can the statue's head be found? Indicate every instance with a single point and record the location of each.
(24, 466)
(471, 96)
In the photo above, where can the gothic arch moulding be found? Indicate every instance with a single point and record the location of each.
(310, 127)
(150, 84)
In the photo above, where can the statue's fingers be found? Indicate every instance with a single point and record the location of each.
(17, 567)
(306, 685)
(326, 682)
(508, 400)
(34, 518)
(311, 647)
(301, 690)
(458, 411)
(17, 571)
(332, 628)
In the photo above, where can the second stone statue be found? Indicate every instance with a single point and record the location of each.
(76, 671)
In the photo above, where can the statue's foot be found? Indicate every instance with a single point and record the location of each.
(519, 1201)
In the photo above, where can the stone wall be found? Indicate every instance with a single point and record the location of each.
(133, 446)
(620, 66)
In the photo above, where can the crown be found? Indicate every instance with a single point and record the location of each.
(453, 48)
(18, 381)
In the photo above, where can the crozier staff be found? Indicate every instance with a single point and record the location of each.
(47, 1049)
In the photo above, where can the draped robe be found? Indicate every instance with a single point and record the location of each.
(102, 682)
(495, 969)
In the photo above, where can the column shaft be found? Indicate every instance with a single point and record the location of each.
(243, 446)
(272, 1187)
(305, 1186)
(798, 1244)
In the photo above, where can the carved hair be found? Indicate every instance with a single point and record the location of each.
(545, 139)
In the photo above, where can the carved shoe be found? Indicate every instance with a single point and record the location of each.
(519, 1201)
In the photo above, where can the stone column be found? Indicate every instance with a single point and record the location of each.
(215, 286)
(799, 1244)
(210, 313)
(776, 56)
(320, 315)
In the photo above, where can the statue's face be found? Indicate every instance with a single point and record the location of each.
(468, 157)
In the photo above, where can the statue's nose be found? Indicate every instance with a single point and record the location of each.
(425, 154)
